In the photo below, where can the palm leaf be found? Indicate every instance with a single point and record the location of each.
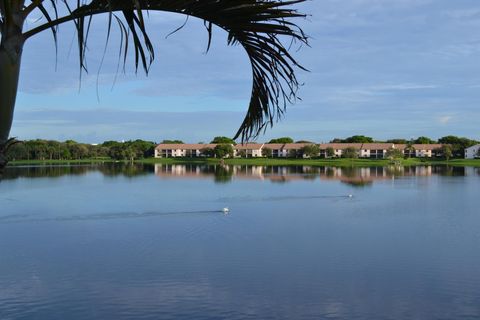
(259, 26)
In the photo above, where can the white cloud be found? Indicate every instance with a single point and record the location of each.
(385, 60)
(403, 86)
(444, 119)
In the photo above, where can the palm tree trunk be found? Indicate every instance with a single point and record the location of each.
(10, 57)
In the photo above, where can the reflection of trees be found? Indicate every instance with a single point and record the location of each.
(125, 169)
(109, 170)
(45, 171)
(223, 174)
(394, 170)
(359, 183)
(329, 172)
(449, 171)
(350, 172)
(207, 170)
(311, 172)
(279, 179)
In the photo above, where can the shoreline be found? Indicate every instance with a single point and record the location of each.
(261, 162)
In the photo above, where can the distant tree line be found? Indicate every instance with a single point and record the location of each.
(72, 150)
(139, 149)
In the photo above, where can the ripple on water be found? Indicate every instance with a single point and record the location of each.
(388, 253)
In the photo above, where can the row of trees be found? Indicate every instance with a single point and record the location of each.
(288, 140)
(365, 139)
(419, 140)
(138, 149)
(216, 140)
(72, 150)
(354, 139)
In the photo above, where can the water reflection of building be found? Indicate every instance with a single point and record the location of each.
(350, 175)
(226, 173)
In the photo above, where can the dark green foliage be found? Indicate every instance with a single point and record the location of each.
(142, 149)
(120, 152)
(394, 154)
(311, 151)
(350, 153)
(223, 140)
(207, 152)
(223, 151)
(446, 151)
(71, 150)
(303, 141)
(223, 174)
(4, 148)
(267, 152)
(78, 151)
(397, 141)
(354, 139)
(358, 139)
(18, 151)
(294, 153)
(172, 142)
(242, 154)
(282, 140)
(409, 150)
(130, 150)
(423, 140)
(330, 152)
(457, 144)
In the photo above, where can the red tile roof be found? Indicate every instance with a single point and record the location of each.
(340, 146)
(186, 146)
(427, 146)
(274, 146)
(248, 146)
(296, 146)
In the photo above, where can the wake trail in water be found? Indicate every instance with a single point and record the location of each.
(19, 218)
(281, 198)
(102, 216)
(13, 216)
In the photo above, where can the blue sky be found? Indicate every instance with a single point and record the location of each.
(384, 68)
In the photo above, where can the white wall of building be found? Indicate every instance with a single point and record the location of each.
(472, 152)
(423, 153)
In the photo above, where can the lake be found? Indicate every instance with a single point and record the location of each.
(152, 242)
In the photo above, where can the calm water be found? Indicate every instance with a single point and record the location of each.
(146, 242)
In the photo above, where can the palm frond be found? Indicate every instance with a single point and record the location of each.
(259, 26)
(4, 147)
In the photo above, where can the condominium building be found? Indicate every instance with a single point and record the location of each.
(248, 150)
(295, 150)
(472, 152)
